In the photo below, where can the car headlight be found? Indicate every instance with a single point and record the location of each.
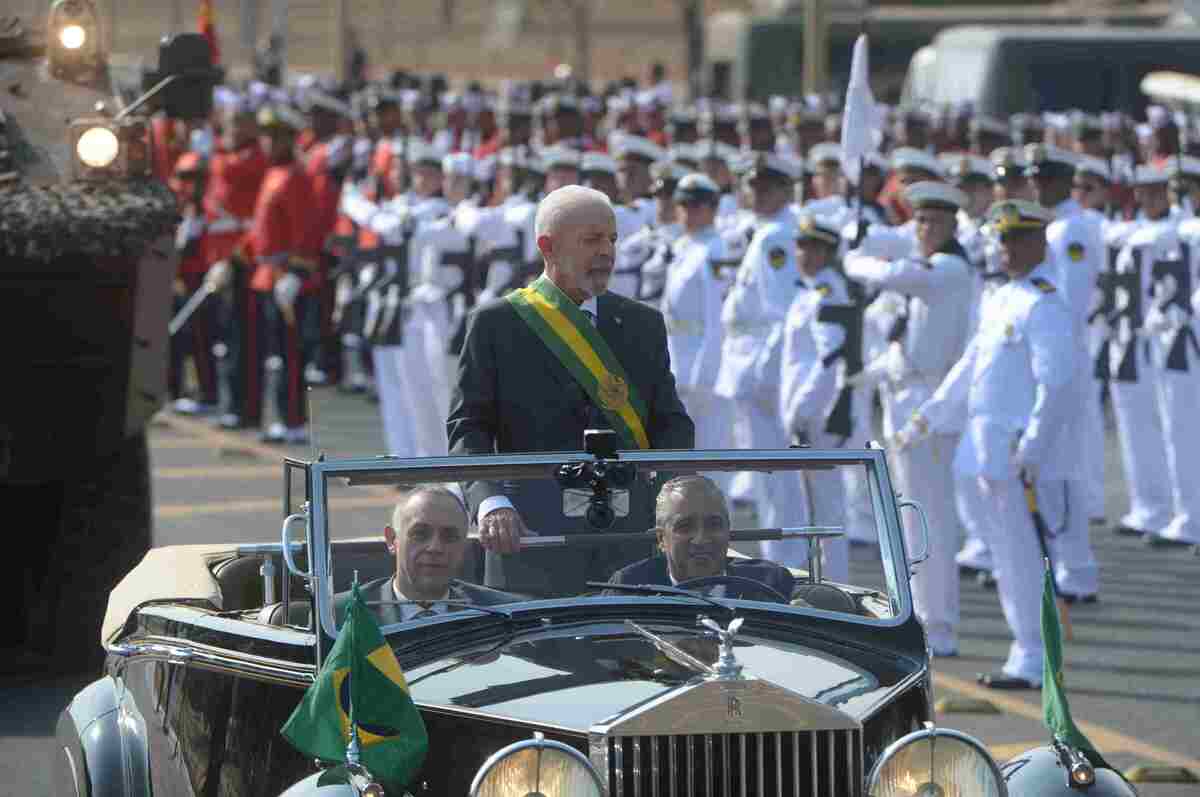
(72, 37)
(537, 767)
(936, 762)
(97, 147)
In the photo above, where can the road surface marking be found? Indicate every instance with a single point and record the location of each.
(173, 442)
(1104, 738)
(220, 438)
(219, 472)
(176, 511)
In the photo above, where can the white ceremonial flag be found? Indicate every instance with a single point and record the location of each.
(860, 117)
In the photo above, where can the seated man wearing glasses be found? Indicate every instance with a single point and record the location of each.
(428, 537)
(692, 524)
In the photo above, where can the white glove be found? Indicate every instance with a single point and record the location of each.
(219, 275)
(913, 432)
(1027, 469)
(287, 288)
(896, 360)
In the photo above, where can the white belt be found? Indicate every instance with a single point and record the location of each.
(228, 224)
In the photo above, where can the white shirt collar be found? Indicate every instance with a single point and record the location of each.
(409, 610)
(590, 306)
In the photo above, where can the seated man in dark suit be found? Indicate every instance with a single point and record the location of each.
(428, 537)
(692, 523)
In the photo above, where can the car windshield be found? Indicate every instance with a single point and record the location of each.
(801, 530)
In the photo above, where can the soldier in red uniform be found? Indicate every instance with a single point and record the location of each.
(236, 174)
(515, 126)
(170, 140)
(279, 246)
(194, 340)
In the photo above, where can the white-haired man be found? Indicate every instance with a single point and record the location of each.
(547, 362)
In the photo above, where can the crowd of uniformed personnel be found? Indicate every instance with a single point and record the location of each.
(346, 236)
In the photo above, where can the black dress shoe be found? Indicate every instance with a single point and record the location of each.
(1154, 541)
(1071, 600)
(985, 579)
(998, 680)
(1127, 531)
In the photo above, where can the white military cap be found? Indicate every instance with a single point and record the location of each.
(1049, 161)
(1150, 175)
(513, 156)
(770, 164)
(420, 151)
(556, 157)
(1007, 162)
(1090, 164)
(313, 98)
(668, 171)
(825, 152)
(1018, 214)
(459, 164)
(930, 194)
(961, 165)
(697, 186)
(598, 162)
(811, 227)
(912, 158)
(630, 146)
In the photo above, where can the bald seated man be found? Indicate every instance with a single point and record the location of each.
(428, 538)
(692, 526)
(527, 382)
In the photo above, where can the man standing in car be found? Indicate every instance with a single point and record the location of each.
(542, 365)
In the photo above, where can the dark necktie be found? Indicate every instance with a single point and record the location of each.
(590, 315)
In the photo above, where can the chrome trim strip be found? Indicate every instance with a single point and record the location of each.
(850, 757)
(654, 766)
(691, 765)
(762, 764)
(742, 761)
(620, 759)
(637, 766)
(726, 773)
(831, 751)
(206, 657)
(708, 764)
(813, 739)
(778, 764)
(796, 763)
(673, 770)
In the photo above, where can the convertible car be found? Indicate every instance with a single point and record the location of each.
(814, 682)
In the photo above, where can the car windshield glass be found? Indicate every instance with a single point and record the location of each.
(816, 534)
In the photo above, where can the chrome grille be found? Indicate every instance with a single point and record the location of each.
(789, 764)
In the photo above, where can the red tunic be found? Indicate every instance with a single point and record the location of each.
(189, 168)
(168, 147)
(234, 181)
(280, 226)
(326, 192)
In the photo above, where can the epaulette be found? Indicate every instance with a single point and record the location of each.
(1043, 285)
(823, 289)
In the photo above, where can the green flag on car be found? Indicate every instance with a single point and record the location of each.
(1056, 713)
(361, 683)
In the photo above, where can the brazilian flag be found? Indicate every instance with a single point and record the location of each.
(1056, 713)
(362, 683)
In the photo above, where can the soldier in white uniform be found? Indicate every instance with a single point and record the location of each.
(1076, 242)
(691, 307)
(650, 248)
(1168, 268)
(755, 309)
(931, 332)
(634, 156)
(1011, 392)
(822, 344)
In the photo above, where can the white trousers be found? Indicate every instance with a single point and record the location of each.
(1008, 530)
(1140, 434)
(860, 515)
(1179, 402)
(756, 425)
(923, 473)
(393, 401)
(424, 378)
(1063, 506)
(826, 507)
(971, 508)
(1092, 421)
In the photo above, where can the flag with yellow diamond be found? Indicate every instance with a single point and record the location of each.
(1056, 713)
(363, 682)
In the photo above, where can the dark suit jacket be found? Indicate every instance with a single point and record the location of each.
(654, 571)
(381, 590)
(513, 395)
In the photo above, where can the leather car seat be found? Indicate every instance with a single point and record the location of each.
(240, 582)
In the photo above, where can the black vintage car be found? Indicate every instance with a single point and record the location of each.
(718, 685)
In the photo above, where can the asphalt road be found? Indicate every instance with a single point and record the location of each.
(1133, 668)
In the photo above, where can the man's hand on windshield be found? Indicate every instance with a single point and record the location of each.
(502, 531)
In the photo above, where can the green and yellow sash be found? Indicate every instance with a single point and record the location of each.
(577, 344)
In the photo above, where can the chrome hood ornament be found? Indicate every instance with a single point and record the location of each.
(728, 668)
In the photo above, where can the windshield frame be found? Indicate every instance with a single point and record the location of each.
(387, 470)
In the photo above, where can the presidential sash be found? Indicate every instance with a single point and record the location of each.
(562, 326)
